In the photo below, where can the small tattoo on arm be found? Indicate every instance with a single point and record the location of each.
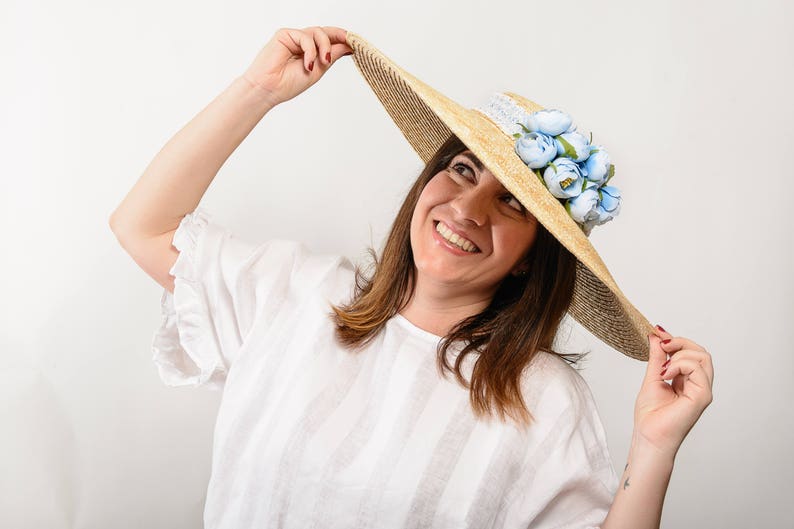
(626, 483)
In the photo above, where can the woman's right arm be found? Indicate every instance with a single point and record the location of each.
(176, 179)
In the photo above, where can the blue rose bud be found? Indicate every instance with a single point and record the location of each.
(549, 121)
(596, 167)
(536, 149)
(574, 145)
(583, 207)
(609, 203)
(563, 178)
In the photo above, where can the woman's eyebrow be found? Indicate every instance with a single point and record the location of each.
(473, 160)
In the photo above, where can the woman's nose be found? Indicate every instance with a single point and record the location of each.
(471, 205)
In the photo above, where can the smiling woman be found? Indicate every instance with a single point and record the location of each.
(333, 416)
(504, 302)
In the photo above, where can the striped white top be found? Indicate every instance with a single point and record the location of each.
(310, 435)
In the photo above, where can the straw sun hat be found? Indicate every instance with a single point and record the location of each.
(427, 119)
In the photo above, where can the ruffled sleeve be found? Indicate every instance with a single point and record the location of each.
(222, 286)
(570, 480)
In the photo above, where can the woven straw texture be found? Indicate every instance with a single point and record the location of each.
(427, 118)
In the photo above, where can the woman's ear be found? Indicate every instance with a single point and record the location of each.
(520, 270)
(523, 266)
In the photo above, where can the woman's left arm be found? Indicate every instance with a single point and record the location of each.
(663, 416)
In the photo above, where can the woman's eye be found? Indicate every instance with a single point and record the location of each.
(519, 206)
(460, 167)
(463, 165)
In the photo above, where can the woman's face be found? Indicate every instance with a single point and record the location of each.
(469, 200)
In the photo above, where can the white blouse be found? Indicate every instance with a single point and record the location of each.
(310, 435)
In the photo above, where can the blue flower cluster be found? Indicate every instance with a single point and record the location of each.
(570, 167)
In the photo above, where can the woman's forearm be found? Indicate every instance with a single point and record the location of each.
(175, 180)
(643, 485)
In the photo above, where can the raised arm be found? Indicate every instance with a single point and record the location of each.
(174, 182)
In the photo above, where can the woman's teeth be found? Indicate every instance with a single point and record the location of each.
(455, 239)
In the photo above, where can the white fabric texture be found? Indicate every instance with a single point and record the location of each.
(310, 435)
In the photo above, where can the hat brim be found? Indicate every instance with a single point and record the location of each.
(427, 118)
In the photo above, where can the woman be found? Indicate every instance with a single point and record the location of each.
(341, 415)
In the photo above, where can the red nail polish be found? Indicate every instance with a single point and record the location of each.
(660, 328)
(328, 57)
(665, 364)
(311, 66)
(663, 372)
(666, 341)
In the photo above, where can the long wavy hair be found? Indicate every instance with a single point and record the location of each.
(521, 319)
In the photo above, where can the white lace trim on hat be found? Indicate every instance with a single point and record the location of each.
(504, 112)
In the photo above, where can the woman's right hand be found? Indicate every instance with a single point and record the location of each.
(295, 59)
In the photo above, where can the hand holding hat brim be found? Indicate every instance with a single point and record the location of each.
(295, 59)
(665, 413)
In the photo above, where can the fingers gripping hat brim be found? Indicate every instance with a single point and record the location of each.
(427, 119)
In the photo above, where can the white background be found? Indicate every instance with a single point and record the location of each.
(692, 99)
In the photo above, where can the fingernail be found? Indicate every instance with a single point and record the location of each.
(668, 361)
(660, 328)
(663, 372)
(311, 66)
(328, 57)
(666, 341)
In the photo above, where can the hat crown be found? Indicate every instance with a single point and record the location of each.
(506, 110)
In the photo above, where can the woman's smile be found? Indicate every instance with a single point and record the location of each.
(444, 236)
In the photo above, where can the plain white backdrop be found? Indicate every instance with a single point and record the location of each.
(692, 100)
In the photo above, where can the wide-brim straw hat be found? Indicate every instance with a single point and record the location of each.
(428, 118)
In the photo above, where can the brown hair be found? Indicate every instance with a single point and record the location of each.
(521, 319)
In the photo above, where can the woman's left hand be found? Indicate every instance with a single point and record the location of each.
(664, 414)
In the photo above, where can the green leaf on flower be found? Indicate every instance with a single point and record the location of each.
(517, 135)
(551, 164)
(522, 126)
(570, 152)
(610, 173)
(591, 137)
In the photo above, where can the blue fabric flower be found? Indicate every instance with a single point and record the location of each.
(609, 204)
(536, 149)
(563, 178)
(584, 206)
(596, 167)
(576, 172)
(549, 121)
(574, 145)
